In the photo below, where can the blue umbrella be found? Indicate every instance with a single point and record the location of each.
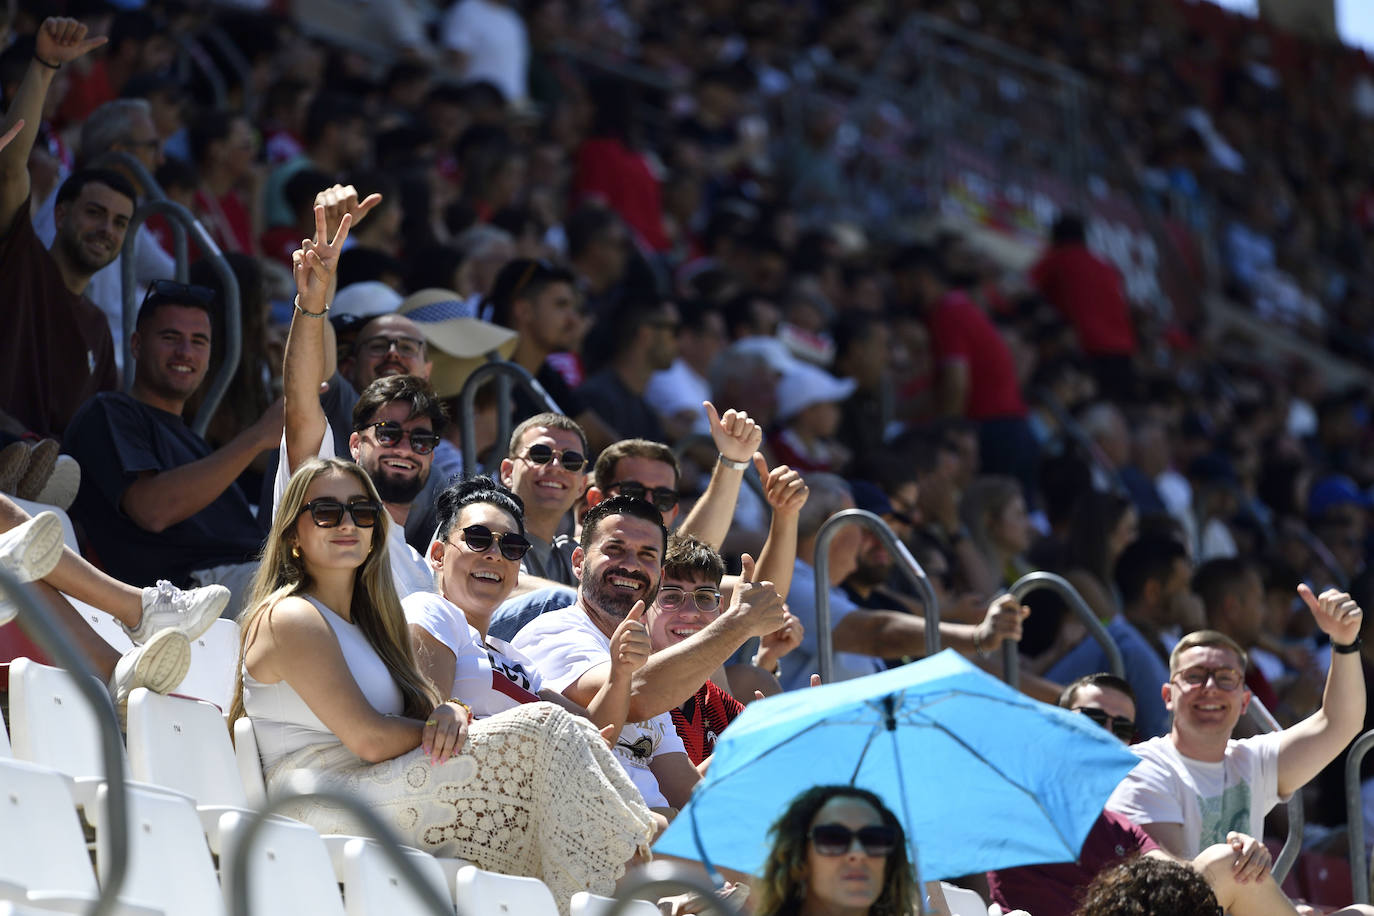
(981, 776)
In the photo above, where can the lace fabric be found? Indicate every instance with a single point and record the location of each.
(534, 792)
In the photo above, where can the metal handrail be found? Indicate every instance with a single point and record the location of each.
(1264, 721)
(1354, 816)
(381, 833)
(235, 58)
(506, 372)
(59, 647)
(233, 326)
(825, 641)
(658, 878)
(152, 190)
(1035, 581)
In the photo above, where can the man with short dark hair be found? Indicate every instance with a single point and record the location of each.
(644, 342)
(1152, 576)
(546, 467)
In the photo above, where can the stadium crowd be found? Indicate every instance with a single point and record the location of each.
(716, 374)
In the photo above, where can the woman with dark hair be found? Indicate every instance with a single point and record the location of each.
(1145, 886)
(836, 849)
(1103, 525)
(338, 704)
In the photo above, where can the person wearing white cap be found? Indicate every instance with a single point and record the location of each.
(809, 401)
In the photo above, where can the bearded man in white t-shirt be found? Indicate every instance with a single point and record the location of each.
(1196, 784)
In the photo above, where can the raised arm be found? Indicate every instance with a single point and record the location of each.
(786, 493)
(892, 634)
(59, 41)
(737, 437)
(1306, 748)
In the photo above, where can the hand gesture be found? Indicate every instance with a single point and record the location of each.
(444, 733)
(783, 487)
(1252, 859)
(341, 200)
(758, 604)
(630, 645)
(1003, 621)
(737, 437)
(314, 264)
(773, 646)
(61, 40)
(1335, 612)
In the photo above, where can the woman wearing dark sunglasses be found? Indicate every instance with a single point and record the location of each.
(338, 704)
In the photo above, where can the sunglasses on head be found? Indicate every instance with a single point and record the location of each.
(837, 839)
(479, 539)
(170, 292)
(662, 498)
(707, 599)
(1120, 726)
(541, 454)
(390, 434)
(328, 513)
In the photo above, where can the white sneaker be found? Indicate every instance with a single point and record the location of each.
(167, 607)
(159, 664)
(29, 552)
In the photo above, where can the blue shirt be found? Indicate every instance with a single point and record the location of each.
(1146, 672)
(799, 664)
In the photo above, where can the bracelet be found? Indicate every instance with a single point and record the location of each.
(455, 699)
(978, 645)
(1348, 648)
(297, 303)
(734, 465)
(46, 64)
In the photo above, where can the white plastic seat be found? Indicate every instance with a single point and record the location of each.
(962, 901)
(104, 624)
(214, 665)
(289, 871)
(42, 848)
(170, 867)
(485, 893)
(5, 750)
(585, 903)
(249, 763)
(373, 884)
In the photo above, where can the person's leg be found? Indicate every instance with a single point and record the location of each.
(98, 654)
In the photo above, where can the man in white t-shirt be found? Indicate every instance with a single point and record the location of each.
(1196, 784)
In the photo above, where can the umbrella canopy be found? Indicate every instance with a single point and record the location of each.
(981, 776)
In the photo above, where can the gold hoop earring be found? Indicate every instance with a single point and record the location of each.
(296, 551)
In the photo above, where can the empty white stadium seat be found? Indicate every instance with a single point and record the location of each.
(585, 903)
(289, 872)
(373, 884)
(485, 893)
(214, 665)
(52, 724)
(962, 901)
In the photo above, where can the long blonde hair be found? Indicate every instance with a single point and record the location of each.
(376, 608)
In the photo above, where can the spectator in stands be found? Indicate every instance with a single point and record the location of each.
(325, 640)
(486, 41)
(809, 415)
(609, 169)
(1153, 579)
(1087, 290)
(598, 252)
(1232, 594)
(58, 351)
(676, 393)
(155, 499)
(1197, 766)
(644, 342)
(224, 147)
(993, 512)
(139, 43)
(546, 467)
(1149, 885)
(335, 143)
(863, 353)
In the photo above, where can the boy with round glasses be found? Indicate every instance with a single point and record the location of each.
(1196, 784)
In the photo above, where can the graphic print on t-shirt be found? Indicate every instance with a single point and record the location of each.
(509, 678)
(1223, 813)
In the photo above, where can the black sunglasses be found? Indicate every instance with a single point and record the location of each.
(328, 513)
(836, 839)
(541, 454)
(390, 434)
(1120, 726)
(663, 498)
(479, 538)
(170, 292)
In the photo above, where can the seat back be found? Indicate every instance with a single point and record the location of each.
(585, 903)
(4, 740)
(491, 894)
(373, 884)
(288, 868)
(250, 763)
(214, 665)
(42, 847)
(962, 901)
(169, 864)
(51, 722)
(184, 745)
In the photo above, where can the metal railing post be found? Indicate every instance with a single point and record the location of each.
(1264, 721)
(1058, 584)
(60, 648)
(233, 326)
(661, 877)
(825, 641)
(507, 373)
(1354, 816)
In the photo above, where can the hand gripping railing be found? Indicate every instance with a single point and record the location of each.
(1011, 657)
(660, 877)
(1354, 816)
(178, 215)
(506, 372)
(60, 648)
(825, 641)
(1264, 721)
(384, 835)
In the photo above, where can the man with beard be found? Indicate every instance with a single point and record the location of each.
(57, 351)
(619, 563)
(156, 502)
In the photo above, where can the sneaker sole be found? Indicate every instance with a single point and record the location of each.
(42, 460)
(166, 659)
(13, 459)
(41, 550)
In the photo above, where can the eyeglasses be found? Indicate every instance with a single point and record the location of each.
(707, 599)
(389, 435)
(328, 513)
(1224, 678)
(170, 292)
(837, 839)
(479, 539)
(1121, 726)
(406, 347)
(541, 454)
(662, 498)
